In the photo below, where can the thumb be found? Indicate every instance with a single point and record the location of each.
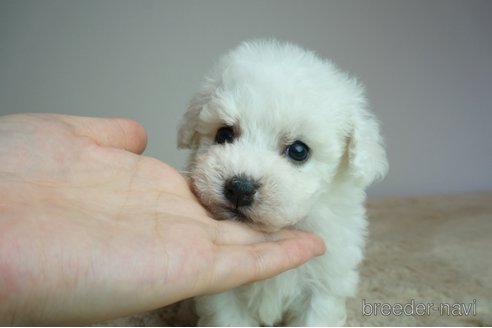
(239, 264)
(119, 133)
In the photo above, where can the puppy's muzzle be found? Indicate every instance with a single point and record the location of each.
(240, 190)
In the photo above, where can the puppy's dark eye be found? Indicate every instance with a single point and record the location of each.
(224, 134)
(298, 151)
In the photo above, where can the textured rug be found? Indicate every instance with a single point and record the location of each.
(428, 263)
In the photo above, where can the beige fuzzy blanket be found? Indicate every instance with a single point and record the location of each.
(428, 263)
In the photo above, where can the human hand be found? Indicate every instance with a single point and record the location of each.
(90, 230)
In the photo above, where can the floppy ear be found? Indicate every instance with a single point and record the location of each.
(187, 133)
(366, 154)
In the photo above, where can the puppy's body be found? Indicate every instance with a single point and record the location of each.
(311, 295)
(281, 139)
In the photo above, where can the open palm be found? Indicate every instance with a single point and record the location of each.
(92, 230)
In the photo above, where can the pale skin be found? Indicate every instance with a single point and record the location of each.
(91, 230)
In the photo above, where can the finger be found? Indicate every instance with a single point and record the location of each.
(119, 133)
(237, 265)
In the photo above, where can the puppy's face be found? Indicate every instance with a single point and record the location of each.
(269, 134)
(259, 168)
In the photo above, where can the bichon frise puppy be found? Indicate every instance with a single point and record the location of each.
(281, 138)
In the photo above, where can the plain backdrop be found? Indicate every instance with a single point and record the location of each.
(427, 66)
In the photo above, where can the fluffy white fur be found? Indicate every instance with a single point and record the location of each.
(272, 94)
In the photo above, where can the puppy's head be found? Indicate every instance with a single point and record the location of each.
(273, 128)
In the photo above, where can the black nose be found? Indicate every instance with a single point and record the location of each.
(240, 190)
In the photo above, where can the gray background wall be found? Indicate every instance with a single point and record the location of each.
(427, 66)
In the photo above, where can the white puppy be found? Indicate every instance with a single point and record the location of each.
(281, 138)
